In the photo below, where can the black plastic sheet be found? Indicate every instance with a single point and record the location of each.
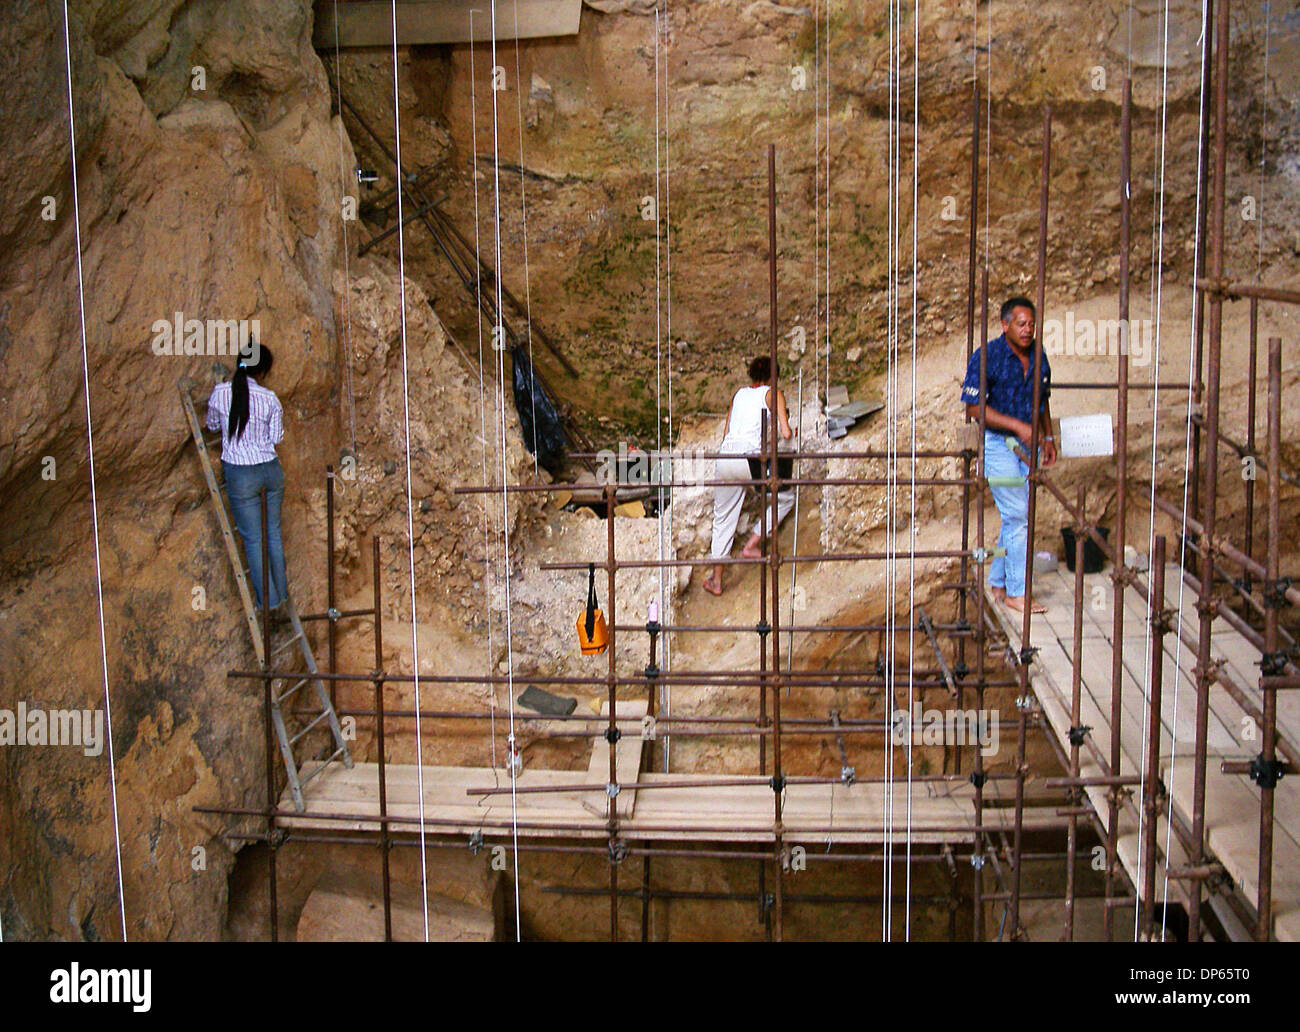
(539, 420)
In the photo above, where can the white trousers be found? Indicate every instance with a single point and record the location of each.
(728, 500)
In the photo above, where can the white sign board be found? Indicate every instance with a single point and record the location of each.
(1085, 436)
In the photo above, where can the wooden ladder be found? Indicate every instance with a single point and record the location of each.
(283, 689)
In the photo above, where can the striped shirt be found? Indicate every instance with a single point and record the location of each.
(263, 431)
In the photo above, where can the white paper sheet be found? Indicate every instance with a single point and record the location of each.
(1084, 436)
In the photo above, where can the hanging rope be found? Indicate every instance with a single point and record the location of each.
(410, 518)
(659, 422)
(1263, 145)
(911, 585)
(482, 406)
(94, 494)
(523, 209)
(1187, 453)
(666, 639)
(499, 345)
(1147, 728)
(347, 274)
(891, 448)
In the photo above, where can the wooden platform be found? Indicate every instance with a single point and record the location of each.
(1232, 801)
(664, 809)
(663, 812)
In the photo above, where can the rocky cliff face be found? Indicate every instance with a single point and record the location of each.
(584, 124)
(211, 181)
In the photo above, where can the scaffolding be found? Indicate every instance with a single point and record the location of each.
(994, 834)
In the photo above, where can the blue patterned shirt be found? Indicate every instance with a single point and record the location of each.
(1010, 385)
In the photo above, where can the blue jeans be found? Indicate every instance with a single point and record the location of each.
(1008, 571)
(244, 485)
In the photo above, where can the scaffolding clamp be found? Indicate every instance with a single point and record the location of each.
(612, 790)
(618, 851)
(1273, 664)
(978, 778)
(848, 774)
(1161, 621)
(475, 842)
(1027, 654)
(1266, 773)
(977, 861)
(1122, 573)
(777, 783)
(1078, 734)
(612, 735)
(651, 671)
(1275, 593)
(763, 628)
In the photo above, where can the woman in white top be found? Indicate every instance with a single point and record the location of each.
(251, 421)
(744, 435)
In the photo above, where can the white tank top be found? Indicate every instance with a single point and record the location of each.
(746, 424)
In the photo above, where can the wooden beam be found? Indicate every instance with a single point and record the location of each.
(368, 23)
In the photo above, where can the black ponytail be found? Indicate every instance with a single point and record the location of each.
(255, 360)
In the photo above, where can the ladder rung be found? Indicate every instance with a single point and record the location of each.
(308, 729)
(284, 645)
(297, 684)
(322, 765)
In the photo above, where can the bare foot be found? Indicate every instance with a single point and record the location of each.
(753, 548)
(712, 586)
(999, 594)
(1017, 602)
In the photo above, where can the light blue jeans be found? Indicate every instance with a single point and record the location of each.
(1008, 571)
(244, 487)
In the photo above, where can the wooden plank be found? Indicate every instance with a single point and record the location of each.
(744, 813)
(363, 24)
(627, 758)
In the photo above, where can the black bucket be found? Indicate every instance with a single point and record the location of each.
(1093, 557)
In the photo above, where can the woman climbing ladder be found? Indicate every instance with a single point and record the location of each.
(250, 419)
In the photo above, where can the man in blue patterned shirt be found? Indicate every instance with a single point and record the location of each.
(1009, 419)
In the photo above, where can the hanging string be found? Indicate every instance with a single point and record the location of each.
(826, 178)
(523, 208)
(891, 468)
(911, 585)
(1148, 727)
(347, 275)
(499, 345)
(666, 639)
(1187, 449)
(482, 406)
(659, 419)
(410, 518)
(94, 493)
(1263, 144)
(988, 141)
(817, 198)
